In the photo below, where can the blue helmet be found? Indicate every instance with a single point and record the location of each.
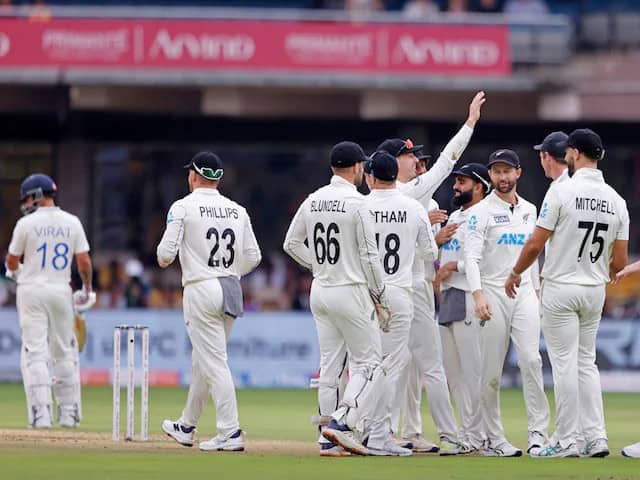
(39, 185)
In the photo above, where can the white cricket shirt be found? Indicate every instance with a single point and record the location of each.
(403, 234)
(495, 233)
(48, 238)
(453, 251)
(586, 216)
(212, 236)
(332, 235)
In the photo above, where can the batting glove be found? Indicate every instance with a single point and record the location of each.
(83, 299)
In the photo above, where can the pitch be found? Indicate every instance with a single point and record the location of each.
(280, 444)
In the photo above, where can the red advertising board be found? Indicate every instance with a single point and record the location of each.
(265, 46)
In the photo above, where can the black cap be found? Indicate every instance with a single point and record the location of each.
(397, 146)
(504, 155)
(383, 166)
(346, 154)
(423, 157)
(588, 142)
(476, 172)
(555, 144)
(206, 164)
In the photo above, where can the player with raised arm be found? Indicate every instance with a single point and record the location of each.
(217, 246)
(459, 331)
(403, 233)
(47, 239)
(424, 338)
(332, 235)
(497, 229)
(585, 225)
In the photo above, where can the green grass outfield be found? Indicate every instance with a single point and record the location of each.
(275, 416)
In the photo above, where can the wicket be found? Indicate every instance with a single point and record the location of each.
(144, 383)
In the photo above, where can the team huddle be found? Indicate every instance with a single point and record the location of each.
(379, 262)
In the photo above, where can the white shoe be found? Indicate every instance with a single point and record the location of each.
(390, 449)
(536, 441)
(555, 451)
(328, 449)
(228, 443)
(450, 447)
(418, 444)
(68, 416)
(632, 451)
(598, 448)
(180, 432)
(502, 449)
(343, 436)
(41, 416)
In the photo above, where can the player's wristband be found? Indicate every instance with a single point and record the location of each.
(514, 274)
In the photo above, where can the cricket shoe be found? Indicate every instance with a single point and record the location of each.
(502, 449)
(598, 448)
(328, 449)
(450, 447)
(342, 435)
(536, 441)
(418, 444)
(632, 451)
(179, 432)
(68, 416)
(390, 449)
(555, 451)
(225, 443)
(41, 416)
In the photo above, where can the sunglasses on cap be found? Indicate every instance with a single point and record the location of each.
(206, 172)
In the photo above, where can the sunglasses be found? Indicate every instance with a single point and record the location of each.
(208, 173)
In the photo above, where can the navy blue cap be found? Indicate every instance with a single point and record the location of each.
(555, 144)
(504, 155)
(346, 154)
(588, 142)
(423, 156)
(383, 166)
(206, 164)
(37, 184)
(476, 172)
(397, 146)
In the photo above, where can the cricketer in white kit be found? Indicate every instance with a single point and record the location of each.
(586, 225)
(47, 239)
(403, 234)
(497, 229)
(459, 330)
(215, 242)
(633, 450)
(424, 338)
(332, 235)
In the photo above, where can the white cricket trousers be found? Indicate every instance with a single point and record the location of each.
(209, 329)
(426, 365)
(49, 346)
(345, 321)
(570, 319)
(463, 366)
(519, 320)
(395, 348)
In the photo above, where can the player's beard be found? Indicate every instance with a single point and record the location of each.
(505, 186)
(462, 198)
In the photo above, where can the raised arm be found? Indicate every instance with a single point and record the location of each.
(426, 184)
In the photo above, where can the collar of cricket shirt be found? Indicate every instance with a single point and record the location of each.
(207, 191)
(590, 173)
(506, 205)
(339, 181)
(387, 192)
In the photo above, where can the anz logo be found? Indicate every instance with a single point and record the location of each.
(452, 245)
(513, 239)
